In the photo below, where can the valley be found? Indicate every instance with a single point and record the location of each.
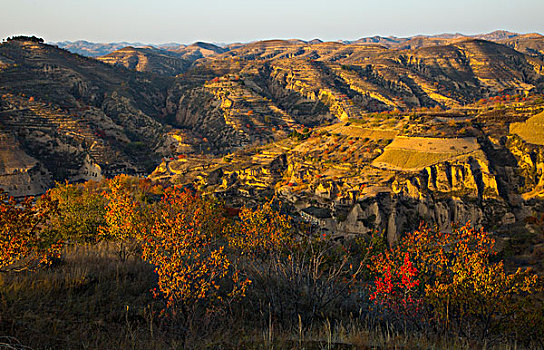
(383, 192)
(352, 138)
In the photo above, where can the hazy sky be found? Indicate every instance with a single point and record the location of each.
(160, 21)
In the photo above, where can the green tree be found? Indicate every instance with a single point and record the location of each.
(81, 212)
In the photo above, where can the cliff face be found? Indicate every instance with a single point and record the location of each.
(20, 174)
(459, 190)
(350, 179)
(441, 194)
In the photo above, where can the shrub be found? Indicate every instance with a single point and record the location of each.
(187, 249)
(81, 212)
(24, 241)
(25, 38)
(453, 279)
(291, 276)
(262, 231)
(126, 218)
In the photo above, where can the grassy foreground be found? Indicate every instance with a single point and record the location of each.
(94, 300)
(134, 270)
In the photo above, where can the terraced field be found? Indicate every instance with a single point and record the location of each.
(416, 153)
(357, 131)
(532, 130)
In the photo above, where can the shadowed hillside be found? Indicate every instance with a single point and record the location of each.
(78, 117)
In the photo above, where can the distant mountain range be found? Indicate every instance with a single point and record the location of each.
(173, 59)
(92, 49)
(89, 49)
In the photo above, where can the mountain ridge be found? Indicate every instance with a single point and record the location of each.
(93, 49)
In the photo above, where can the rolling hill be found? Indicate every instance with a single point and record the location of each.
(324, 126)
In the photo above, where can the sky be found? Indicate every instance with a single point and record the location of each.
(227, 21)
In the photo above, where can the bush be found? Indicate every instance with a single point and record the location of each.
(449, 281)
(81, 212)
(127, 215)
(261, 232)
(25, 38)
(246, 273)
(187, 249)
(293, 278)
(24, 239)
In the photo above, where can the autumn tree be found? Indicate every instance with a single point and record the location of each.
(396, 287)
(81, 212)
(452, 277)
(261, 231)
(24, 242)
(187, 249)
(126, 218)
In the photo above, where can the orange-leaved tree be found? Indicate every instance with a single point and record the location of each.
(187, 248)
(24, 241)
(452, 277)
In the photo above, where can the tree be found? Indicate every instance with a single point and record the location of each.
(81, 212)
(396, 286)
(126, 218)
(24, 242)
(262, 231)
(25, 38)
(452, 278)
(187, 249)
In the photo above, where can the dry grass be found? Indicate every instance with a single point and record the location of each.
(92, 300)
(358, 131)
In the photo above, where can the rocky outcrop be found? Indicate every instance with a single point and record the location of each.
(442, 194)
(470, 178)
(20, 174)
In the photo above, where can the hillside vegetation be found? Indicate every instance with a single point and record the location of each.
(128, 264)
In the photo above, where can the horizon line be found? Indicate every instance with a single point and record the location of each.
(140, 43)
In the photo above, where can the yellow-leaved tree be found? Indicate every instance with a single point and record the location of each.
(260, 232)
(126, 219)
